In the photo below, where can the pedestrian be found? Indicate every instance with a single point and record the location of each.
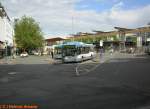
(101, 52)
(111, 50)
(52, 54)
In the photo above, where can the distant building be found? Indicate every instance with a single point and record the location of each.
(50, 42)
(6, 32)
(54, 41)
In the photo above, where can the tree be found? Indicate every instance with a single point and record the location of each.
(28, 34)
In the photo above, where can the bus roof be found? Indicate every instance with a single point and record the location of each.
(74, 43)
(77, 44)
(58, 46)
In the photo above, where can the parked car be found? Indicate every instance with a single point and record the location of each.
(37, 53)
(24, 54)
(44, 53)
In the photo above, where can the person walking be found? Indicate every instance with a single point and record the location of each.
(52, 53)
(101, 54)
(111, 50)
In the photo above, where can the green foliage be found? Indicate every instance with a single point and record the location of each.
(131, 38)
(28, 34)
(115, 38)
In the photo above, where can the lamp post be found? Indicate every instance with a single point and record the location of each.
(6, 42)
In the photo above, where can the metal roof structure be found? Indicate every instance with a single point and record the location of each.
(137, 30)
(122, 29)
(54, 39)
(109, 33)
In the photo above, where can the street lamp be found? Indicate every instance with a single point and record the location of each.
(6, 42)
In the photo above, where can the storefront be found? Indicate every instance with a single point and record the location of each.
(2, 48)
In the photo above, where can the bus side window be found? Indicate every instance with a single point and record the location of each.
(78, 51)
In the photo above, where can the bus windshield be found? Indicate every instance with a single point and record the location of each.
(57, 50)
(69, 50)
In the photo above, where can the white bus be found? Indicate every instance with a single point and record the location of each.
(57, 49)
(75, 51)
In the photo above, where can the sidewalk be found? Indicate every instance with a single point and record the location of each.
(108, 56)
(26, 60)
(7, 60)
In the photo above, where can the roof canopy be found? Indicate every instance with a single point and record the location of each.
(122, 29)
(55, 39)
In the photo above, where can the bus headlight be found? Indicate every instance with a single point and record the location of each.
(66, 58)
(79, 57)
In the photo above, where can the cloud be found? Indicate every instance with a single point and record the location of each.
(118, 6)
(114, 1)
(130, 18)
(55, 16)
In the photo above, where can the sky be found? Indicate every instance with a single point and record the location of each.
(65, 17)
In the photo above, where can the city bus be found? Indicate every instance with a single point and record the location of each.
(57, 50)
(75, 51)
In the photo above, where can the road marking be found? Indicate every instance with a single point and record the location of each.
(102, 60)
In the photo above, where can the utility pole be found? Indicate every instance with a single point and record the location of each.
(73, 27)
(6, 42)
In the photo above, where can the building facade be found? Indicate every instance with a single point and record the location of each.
(6, 33)
(54, 41)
